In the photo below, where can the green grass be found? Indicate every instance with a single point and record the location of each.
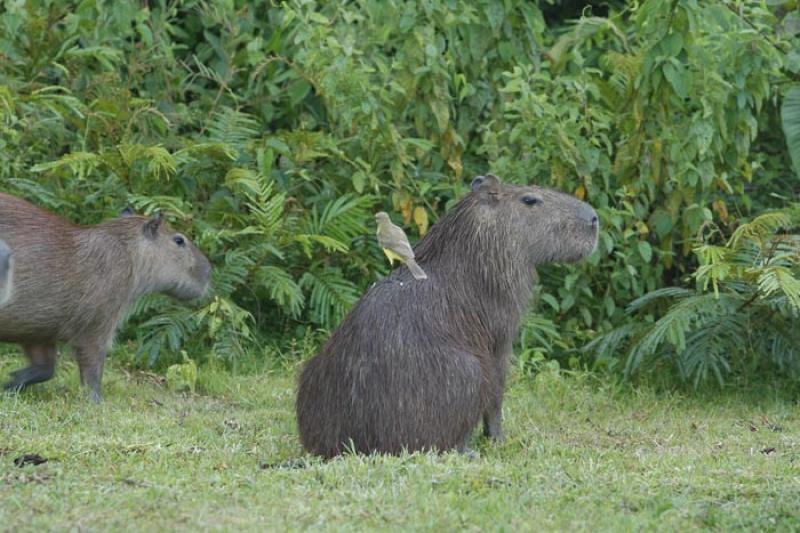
(579, 455)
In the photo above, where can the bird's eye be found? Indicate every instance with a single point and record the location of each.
(530, 199)
(179, 240)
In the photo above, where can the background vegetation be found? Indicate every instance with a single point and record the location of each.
(272, 131)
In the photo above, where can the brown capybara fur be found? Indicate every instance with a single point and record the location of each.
(417, 364)
(6, 272)
(72, 284)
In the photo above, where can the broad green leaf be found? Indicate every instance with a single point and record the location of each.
(678, 77)
(790, 120)
(645, 251)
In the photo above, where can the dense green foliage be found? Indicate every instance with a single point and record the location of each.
(272, 132)
(743, 311)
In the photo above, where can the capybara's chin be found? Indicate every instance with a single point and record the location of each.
(418, 364)
(190, 291)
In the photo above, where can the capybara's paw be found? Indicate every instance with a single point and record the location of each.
(28, 376)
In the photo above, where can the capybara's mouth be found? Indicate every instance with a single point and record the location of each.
(206, 289)
(189, 292)
(594, 229)
(586, 235)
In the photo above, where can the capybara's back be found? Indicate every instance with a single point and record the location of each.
(417, 364)
(45, 257)
(73, 283)
(390, 377)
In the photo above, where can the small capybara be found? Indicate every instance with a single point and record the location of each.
(72, 283)
(6, 272)
(416, 365)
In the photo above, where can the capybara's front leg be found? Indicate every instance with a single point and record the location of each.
(493, 413)
(91, 359)
(493, 422)
(43, 364)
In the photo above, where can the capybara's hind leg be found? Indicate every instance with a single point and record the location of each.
(43, 364)
(466, 449)
(91, 359)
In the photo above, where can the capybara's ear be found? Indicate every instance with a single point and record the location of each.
(150, 228)
(476, 183)
(489, 183)
(127, 212)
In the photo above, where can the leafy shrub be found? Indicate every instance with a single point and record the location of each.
(272, 132)
(741, 314)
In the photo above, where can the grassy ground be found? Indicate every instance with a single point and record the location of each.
(579, 456)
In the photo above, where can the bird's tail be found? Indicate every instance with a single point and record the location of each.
(416, 270)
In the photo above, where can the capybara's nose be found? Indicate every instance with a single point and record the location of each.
(588, 214)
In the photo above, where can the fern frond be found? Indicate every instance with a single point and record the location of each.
(777, 278)
(782, 344)
(341, 219)
(608, 344)
(674, 326)
(331, 295)
(329, 243)
(57, 100)
(147, 305)
(171, 205)
(761, 227)
(159, 162)
(35, 189)
(708, 348)
(165, 330)
(624, 68)
(282, 288)
(78, 163)
(108, 57)
(666, 292)
(265, 207)
(540, 331)
(233, 273)
(233, 127)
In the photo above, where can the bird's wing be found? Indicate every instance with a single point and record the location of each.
(395, 239)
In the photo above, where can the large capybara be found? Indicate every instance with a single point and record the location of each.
(417, 364)
(6, 272)
(72, 283)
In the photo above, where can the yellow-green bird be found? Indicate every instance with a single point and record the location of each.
(395, 245)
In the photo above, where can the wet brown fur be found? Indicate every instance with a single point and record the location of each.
(416, 365)
(6, 272)
(73, 284)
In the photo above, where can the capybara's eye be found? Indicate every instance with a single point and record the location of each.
(530, 199)
(179, 240)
